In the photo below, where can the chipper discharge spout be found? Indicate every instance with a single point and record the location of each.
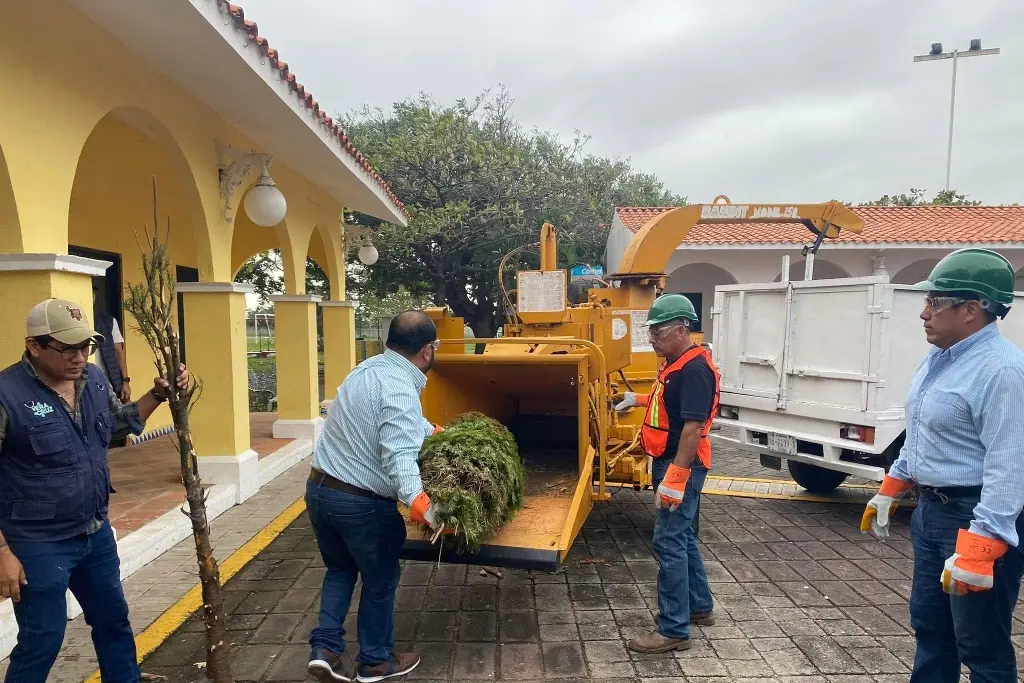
(546, 401)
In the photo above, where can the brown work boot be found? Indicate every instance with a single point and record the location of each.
(702, 618)
(400, 664)
(655, 643)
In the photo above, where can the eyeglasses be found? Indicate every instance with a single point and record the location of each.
(436, 344)
(69, 352)
(661, 331)
(937, 304)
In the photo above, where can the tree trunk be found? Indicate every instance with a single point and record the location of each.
(218, 647)
(153, 304)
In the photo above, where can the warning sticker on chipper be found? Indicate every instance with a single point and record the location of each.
(639, 339)
(619, 329)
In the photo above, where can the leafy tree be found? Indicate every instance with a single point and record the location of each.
(265, 273)
(371, 307)
(477, 186)
(917, 198)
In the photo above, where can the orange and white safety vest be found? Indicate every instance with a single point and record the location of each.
(655, 430)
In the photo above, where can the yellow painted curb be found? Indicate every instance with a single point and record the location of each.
(174, 616)
(722, 477)
(804, 497)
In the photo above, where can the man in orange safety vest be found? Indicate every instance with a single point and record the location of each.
(680, 410)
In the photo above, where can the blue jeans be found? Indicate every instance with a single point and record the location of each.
(90, 567)
(357, 536)
(973, 629)
(682, 582)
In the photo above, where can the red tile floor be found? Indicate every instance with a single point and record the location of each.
(148, 476)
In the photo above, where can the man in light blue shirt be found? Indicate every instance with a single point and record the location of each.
(365, 462)
(964, 449)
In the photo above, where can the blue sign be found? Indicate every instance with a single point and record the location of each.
(581, 270)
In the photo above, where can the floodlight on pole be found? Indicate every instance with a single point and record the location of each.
(936, 53)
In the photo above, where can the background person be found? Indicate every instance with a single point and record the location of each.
(111, 359)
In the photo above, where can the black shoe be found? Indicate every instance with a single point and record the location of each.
(327, 667)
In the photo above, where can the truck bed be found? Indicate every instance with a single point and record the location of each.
(803, 362)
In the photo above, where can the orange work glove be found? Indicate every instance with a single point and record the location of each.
(673, 486)
(437, 430)
(970, 567)
(876, 515)
(421, 511)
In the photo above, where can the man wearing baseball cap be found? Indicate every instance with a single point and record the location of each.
(58, 415)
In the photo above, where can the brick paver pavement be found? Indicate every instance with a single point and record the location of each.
(164, 581)
(800, 596)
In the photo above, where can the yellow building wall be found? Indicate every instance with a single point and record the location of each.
(84, 125)
(112, 206)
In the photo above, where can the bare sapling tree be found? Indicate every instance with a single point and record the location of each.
(152, 304)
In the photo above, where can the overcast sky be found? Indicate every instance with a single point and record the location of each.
(761, 100)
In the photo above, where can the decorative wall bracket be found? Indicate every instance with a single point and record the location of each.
(237, 165)
(356, 235)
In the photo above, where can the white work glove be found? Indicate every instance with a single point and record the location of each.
(628, 401)
(879, 509)
(882, 506)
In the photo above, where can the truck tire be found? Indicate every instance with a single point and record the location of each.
(815, 479)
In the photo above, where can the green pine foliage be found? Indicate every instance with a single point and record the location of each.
(473, 471)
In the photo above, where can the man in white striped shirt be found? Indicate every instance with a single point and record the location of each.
(364, 463)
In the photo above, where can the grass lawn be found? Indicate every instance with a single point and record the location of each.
(257, 344)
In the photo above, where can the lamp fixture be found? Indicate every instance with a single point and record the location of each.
(360, 236)
(368, 254)
(265, 205)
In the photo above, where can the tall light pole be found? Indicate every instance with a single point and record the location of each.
(937, 53)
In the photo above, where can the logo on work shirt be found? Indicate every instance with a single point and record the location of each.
(75, 313)
(39, 409)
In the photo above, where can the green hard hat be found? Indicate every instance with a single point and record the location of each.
(670, 307)
(981, 271)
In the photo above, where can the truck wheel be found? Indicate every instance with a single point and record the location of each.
(816, 479)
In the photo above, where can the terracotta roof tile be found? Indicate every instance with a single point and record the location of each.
(902, 224)
(251, 30)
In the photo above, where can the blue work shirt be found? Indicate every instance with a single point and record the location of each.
(375, 428)
(965, 427)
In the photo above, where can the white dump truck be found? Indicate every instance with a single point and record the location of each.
(816, 373)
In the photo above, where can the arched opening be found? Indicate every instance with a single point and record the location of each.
(914, 273)
(697, 281)
(823, 270)
(111, 209)
(10, 226)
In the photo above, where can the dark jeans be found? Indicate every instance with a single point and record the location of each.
(357, 536)
(974, 628)
(89, 566)
(682, 582)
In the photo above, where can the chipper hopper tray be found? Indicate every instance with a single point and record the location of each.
(544, 400)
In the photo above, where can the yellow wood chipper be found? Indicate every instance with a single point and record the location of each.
(551, 376)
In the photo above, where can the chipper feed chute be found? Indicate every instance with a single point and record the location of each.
(545, 402)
